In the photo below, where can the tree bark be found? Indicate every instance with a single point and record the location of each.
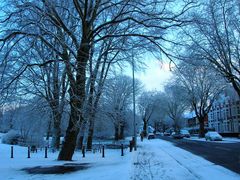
(77, 97)
(56, 132)
(90, 137)
(116, 133)
(69, 143)
(201, 127)
(144, 128)
(80, 142)
(81, 136)
(121, 135)
(49, 128)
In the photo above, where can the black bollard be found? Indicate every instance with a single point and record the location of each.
(28, 152)
(130, 146)
(46, 151)
(11, 151)
(122, 150)
(103, 153)
(141, 137)
(83, 151)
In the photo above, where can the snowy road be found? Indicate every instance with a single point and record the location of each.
(226, 154)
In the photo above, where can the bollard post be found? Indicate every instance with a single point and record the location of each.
(122, 150)
(141, 137)
(133, 141)
(28, 152)
(130, 146)
(46, 151)
(103, 153)
(83, 151)
(11, 151)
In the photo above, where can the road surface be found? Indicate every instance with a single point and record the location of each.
(223, 154)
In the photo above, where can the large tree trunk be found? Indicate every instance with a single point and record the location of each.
(77, 93)
(69, 143)
(144, 128)
(201, 127)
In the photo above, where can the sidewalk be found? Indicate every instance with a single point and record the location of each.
(158, 159)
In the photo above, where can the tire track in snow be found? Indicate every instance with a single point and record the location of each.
(181, 164)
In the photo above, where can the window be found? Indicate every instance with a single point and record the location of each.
(238, 109)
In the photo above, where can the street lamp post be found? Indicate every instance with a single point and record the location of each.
(134, 106)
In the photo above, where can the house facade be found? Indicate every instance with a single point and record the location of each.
(224, 115)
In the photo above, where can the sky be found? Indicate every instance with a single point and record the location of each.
(155, 75)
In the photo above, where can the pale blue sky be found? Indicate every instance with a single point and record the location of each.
(155, 76)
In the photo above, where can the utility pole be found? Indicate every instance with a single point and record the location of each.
(134, 105)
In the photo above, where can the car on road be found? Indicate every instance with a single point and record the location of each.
(166, 133)
(177, 135)
(213, 136)
(151, 136)
(158, 135)
(185, 133)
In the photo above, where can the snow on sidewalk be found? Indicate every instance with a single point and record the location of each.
(159, 159)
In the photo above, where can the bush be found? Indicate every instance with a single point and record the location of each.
(11, 137)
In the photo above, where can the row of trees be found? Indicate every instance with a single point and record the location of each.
(205, 58)
(113, 117)
(64, 50)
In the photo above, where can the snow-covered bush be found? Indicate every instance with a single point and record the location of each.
(11, 137)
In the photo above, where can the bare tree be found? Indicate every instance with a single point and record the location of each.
(76, 26)
(214, 36)
(176, 104)
(201, 86)
(118, 100)
(147, 104)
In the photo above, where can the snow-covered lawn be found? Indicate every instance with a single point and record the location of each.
(100, 168)
(225, 140)
(154, 160)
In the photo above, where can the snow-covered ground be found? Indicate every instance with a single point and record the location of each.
(225, 140)
(154, 160)
(160, 159)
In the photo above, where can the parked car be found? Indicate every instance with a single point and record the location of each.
(158, 135)
(151, 136)
(213, 136)
(185, 133)
(177, 135)
(166, 134)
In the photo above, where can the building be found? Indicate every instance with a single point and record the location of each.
(224, 115)
(194, 123)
